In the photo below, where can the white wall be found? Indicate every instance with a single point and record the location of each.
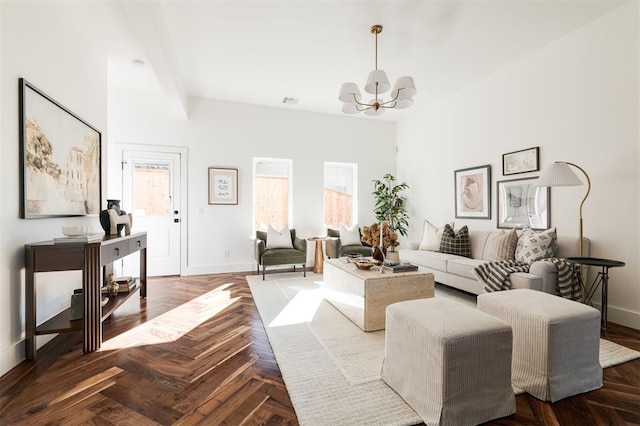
(577, 99)
(39, 42)
(226, 134)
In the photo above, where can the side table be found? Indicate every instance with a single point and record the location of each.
(318, 260)
(601, 278)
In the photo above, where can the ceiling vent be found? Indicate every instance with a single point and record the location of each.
(289, 100)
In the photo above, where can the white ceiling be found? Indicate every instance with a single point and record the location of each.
(261, 51)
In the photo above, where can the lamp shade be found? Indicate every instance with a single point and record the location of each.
(380, 77)
(403, 103)
(558, 174)
(350, 108)
(408, 88)
(348, 91)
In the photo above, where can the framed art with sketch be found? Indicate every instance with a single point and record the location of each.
(59, 159)
(473, 192)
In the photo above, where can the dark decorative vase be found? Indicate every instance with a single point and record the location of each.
(377, 254)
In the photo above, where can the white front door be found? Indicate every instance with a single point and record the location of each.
(151, 192)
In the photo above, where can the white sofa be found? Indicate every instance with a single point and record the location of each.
(456, 271)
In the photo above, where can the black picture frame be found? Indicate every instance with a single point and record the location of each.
(523, 161)
(520, 204)
(472, 192)
(60, 159)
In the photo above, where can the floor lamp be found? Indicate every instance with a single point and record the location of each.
(560, 174)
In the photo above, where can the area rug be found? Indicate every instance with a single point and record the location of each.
(332, 368)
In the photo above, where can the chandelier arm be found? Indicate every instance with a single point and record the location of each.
(361, 103)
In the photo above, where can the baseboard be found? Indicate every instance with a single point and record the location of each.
(622, 316)
(219, 269)
(11, 356)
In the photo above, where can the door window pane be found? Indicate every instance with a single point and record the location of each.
(152, 189)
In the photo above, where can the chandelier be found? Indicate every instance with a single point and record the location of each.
(377, 83)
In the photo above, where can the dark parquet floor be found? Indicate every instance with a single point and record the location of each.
(195, 353)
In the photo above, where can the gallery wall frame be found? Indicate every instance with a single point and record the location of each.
(520, 204)
(223, 185)
(523, 161)
(473, 192)
(60, 159)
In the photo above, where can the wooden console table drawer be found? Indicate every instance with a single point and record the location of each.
(109, 253)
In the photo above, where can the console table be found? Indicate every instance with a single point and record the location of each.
(601, 278)
(92, 259)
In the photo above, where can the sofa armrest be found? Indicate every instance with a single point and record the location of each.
(300, 244)
(549, 274)
(259, 246)
(332, 246)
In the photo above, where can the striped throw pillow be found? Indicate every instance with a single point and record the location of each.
(455, 243)
(501, 246)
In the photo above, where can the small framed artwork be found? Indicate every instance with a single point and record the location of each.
(59, 159)
(523, 161)
(473, 192)
(223, 186)
(520, 204)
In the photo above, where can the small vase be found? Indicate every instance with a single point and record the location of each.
(112, 287)
(377, 254)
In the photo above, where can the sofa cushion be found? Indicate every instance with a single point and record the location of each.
(431, 237)
(279, 238)
(428, 259)
(533, 245)
(350, 236)
(456, 243)
(463, 266)
(501, 246)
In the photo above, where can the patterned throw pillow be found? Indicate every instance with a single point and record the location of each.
(279, 238)
(350, 236)
(431, 237)
(453, 243)
(534, 245)
(501, 246)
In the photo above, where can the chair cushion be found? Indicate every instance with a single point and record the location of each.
(283, 257)
(279, 238)
(363, 250)
(350, 236)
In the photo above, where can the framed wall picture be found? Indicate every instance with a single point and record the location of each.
(520, 203)
(523, 161)
(59, 159)
(473, 192)
(223, 186)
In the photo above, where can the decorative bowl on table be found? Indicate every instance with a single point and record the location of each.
(364, 263)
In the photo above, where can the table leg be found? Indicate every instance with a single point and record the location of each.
(605, 295)
(318, 263)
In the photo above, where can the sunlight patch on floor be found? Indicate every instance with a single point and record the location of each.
(302, 308)
(174, 324)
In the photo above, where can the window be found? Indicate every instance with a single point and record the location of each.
(152, 188)
(272, 185)
(340, 195)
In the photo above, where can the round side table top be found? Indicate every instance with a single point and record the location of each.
(594, 261)
(320, 238)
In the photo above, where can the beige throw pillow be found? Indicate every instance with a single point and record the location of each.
(431, 237)
(534, 245)
(279, 238)
(501, 246)
(350, 236)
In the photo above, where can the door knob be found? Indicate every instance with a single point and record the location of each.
(176, 212)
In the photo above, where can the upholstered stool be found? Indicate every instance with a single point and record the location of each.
(449, 362)
(556, 342)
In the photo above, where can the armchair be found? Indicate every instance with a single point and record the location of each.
(335, 248)
(280, 256)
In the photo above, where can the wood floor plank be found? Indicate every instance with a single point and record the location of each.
(195, 352)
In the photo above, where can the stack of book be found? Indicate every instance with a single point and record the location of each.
(90, 238)
(402, 267)
(126, 284)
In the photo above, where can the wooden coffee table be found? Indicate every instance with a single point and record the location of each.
(363, 295)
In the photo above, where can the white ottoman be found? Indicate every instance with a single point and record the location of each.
(556, 342)
(449, 362)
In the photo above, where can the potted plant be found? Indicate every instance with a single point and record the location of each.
(390, 204)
